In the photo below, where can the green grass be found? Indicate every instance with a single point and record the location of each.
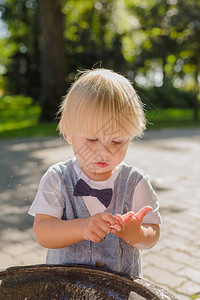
(171, 118)
(19, 118)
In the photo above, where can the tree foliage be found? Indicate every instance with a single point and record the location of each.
(155, 43)
(90, 39)
(22, 47)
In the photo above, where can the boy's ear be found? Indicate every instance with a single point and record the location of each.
(68, 139)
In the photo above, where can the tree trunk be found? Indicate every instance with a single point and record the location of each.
(53, 68)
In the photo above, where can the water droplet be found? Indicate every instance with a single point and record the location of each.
(19, 184)
(25, 199)
(11, 176)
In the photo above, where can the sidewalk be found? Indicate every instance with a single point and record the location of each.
(170, 157)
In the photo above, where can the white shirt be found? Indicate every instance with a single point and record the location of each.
(49, 200)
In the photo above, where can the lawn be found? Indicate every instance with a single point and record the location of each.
(19, 118)
(171, 118)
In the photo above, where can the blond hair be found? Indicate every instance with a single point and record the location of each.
(102, 100)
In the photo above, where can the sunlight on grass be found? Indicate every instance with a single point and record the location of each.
(171, 118)
(19, 118)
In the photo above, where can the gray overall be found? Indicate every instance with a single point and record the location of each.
(112, 251)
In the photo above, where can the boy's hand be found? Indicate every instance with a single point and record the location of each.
(96, 227)
(128, 226)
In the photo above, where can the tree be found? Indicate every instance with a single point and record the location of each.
(187, 20)
(169, 32)
(53, 59)
(139, 39)
(92, 39)
(21, 47)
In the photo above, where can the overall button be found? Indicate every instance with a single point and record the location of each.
(100, 264)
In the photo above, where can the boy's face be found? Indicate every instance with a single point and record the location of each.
(98, 156)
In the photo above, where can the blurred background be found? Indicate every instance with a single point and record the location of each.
(43, 43)
(156, 44)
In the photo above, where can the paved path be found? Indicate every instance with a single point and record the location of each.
(170, 157)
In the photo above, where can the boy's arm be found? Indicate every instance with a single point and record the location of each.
(54, 233)
(136, 234)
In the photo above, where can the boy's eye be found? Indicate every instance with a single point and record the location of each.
(92, 140)
(96, 140)
(117, 143)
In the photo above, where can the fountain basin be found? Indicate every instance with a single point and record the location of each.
(75, 282)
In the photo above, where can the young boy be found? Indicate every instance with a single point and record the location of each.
(94, 209)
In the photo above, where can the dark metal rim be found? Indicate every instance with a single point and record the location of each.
(148, 288)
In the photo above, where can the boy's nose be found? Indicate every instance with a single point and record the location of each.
(104, 149)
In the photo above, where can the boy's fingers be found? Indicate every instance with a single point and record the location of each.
(142, 213)
(105, 227)
(116, 227)
(109, 218)
(128, 216)
(119, 218)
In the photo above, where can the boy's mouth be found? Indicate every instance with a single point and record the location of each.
(101, 164)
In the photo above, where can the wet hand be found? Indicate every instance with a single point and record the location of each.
(128, 226)
(96, 227)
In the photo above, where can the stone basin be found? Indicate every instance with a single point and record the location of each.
(75, 282)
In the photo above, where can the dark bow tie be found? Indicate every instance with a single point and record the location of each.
(83, 189)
